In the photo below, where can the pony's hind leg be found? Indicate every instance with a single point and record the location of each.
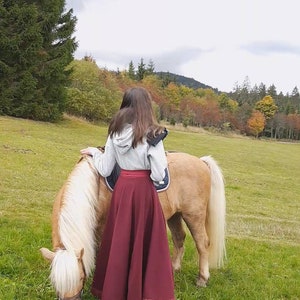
(178, 237)
(196, 225)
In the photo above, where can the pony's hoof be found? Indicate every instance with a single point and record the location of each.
(176, 267)
(201, 282)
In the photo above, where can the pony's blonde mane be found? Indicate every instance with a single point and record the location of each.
(77, 222)
(65, 273)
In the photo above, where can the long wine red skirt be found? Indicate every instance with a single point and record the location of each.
(133, 262)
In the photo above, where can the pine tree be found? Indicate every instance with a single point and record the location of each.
(131, 71)
(36, 45)
(141, 70)
(150, 68)
(19, 41)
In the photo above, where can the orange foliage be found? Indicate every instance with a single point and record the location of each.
(256, 123)
(211, 115)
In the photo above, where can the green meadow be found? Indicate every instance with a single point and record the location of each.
(262, 180)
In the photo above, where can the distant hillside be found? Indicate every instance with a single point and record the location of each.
(179, 79)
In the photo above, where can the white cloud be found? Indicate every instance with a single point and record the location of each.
(216, 42)
(269, 47)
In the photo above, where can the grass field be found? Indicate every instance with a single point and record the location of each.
(263, 209)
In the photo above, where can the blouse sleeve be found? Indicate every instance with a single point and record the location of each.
(105, 161)
(158, 161)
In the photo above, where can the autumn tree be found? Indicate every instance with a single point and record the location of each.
(227, 107)
(279, 123)
(293, 126)
(267, 107)
(93, 93)
(256, 123)
(210, 114)
(190, 109)
(172, 106)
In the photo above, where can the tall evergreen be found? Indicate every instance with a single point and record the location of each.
(36, 45)
(150, 67)
(131, 70)
(141, 70)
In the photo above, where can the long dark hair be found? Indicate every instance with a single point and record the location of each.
(136, 109)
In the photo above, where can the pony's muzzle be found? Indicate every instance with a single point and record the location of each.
(78, 296)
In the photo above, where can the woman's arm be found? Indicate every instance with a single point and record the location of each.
(105, 161)
(158, 161)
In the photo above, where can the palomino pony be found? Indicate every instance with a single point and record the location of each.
(195, 194)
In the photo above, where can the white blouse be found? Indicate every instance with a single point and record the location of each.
(142, 157)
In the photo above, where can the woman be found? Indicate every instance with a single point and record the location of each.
(133, 262)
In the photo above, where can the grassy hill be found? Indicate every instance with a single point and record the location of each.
(262, 190)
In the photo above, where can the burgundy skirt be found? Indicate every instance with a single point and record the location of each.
(133, 262)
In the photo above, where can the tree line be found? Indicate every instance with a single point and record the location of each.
(282, 120)
(40, 80)
(95, 94)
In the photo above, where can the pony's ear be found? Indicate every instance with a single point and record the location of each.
(79, 253)
(47, 254)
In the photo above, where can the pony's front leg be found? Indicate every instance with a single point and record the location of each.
(178, 237)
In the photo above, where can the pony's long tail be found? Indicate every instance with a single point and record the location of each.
(216, 215)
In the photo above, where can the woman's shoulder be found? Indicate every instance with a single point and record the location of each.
(154, 139)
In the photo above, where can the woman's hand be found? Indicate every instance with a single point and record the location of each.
(89, 151)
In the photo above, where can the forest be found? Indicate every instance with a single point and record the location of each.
(95, 94)
(40, 80)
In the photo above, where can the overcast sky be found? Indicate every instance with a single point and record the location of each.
(217, 42)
